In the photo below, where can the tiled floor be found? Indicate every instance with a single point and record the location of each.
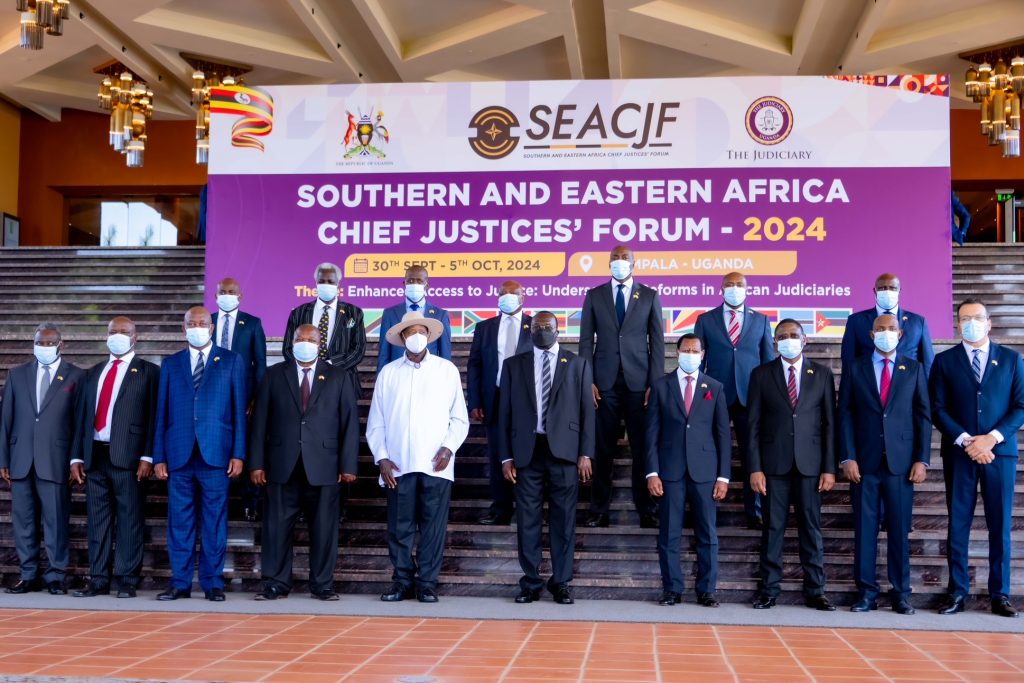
(311, 649)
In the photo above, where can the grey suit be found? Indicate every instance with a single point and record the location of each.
(36, 445)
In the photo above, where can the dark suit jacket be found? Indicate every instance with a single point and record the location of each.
(441, 347)
(903, 429)
(781, 437)
(348, 341)
(134, 419)
(570, 424)
(44, 438)
(732, 365)
(916, 342)
(213, 415)
(960, 405)
(482, 370)
(249, 342)
(326, 436)
(697, 444)
(638, 348)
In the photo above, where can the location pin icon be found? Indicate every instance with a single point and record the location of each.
(586, 262)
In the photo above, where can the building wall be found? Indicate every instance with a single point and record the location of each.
(10, 135)
(975, 165)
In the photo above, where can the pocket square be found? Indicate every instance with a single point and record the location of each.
(707, 396)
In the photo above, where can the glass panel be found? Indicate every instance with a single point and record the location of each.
(133, 221)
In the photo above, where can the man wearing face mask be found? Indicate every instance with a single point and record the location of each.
(38, 429)
(792, 459)
(303, 442)
(916, 341)
(495, 340)
(115, 457)
(342, 334)
(885, 447)
(689, 459)
(736, 339)
(622, 336)
(546, 440)
(977, 392)
(198, 447)
(416, 280)
(417, 422)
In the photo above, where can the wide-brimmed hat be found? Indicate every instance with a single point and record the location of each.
(434, 328)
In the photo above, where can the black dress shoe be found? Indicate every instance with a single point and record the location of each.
(271, 593)
(23, 586)
(126, 592)
(327, 595)
(56, 588)
(597, 520)
(953, 605)
(764, 602)
(864, 605)
(669, 598)
(1003, 608)
(91, 591)
(707, 600)
(526, 596)
(820, 603)
(215, 595)
(174, 594)
(903, 607)
(562, 594)
(493, 518)
(396, 593)
(648, 522)
(426, 595)
(755, 523)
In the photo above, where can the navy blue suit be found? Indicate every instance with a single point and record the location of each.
(689, 453)
(916, 342)
(482, 387)
(198, 431)
(442, 346)
(884, 442)
(959, 405)
(250, 342)
(732, 365)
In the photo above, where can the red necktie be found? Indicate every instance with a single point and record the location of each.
(688, 394)
(792, 385)
(106, 393)
(734, 328)
(883, 388)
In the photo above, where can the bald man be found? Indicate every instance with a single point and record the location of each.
(416, 280)
(916, 342)
(240, 332)
(198, 446)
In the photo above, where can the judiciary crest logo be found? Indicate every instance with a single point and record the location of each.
(769, 120)
(493, 137)
(361, 133)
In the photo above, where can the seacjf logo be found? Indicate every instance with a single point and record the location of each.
(493, 138)
(769, 120)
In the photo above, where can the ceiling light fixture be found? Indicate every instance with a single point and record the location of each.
(998, 91)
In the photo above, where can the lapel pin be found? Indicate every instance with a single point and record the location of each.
(60, 378)
(636, 295)
(241, 322)
(703, 386)
(525, 326)
(216, 359)
(810, 371)
(905, 318)
(564, 360)
(902, 367)
(135, 369)
(430, 311)
(320, 377)
(995, 362)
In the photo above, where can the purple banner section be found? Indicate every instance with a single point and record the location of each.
(812, 239)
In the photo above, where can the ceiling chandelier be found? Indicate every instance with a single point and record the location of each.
(41, 16)
(998, 90)
(130, 104)
(209, 74)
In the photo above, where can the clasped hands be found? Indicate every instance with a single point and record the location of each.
(979, 448)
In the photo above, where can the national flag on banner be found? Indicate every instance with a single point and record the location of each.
(253, 105)
(471, 318)
(804, 316)
(371, 319)
(682, 320)
(830, 322)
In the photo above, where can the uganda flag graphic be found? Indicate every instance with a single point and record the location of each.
(254, 106)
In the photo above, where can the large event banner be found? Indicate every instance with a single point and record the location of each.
(811, 186)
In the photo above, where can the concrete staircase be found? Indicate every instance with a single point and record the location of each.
(82, 289)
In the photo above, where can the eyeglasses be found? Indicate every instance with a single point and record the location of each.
(964, 319)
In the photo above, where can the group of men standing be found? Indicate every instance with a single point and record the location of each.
(553, 420)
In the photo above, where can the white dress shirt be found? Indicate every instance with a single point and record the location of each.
(222, 318)
(516, 321)
(312, 372)
(39, 375)
(879, 311)
(332, 314)
(798, 366)
(681, 378)
(122, 370)
(626, 291)
(416, 409)
(193, 354)
(983, 357)
(538, 378)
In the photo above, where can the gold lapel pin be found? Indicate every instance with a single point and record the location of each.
(431, 311)
(135, 369)
(564, 360)
(60, 378)
(703, 386)
(636, 295)
(905, 318)
(241, 322)
(810, 371)
(216, 359)
(902, 367)
(995, 362)
(525, 326)
(320, 377)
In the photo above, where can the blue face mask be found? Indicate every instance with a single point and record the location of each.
(198, 336)
(734, 296)
(689, 362)
(119, 344)
(790, 348)
(887, 341)
(621, 269)
(305, 352)
(327, 292)
(45, 354)
(415, 292)
(227, 302)
(887, 299)
(972, 331)
(508, 303)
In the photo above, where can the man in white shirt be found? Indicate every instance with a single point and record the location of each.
(417, 422)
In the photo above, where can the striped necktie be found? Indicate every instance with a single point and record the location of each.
(976, 365)
(791, 385)
(545, 389)
(322, 327)
(197, 373)
(885, 382)
(225, 342)
(734, 328)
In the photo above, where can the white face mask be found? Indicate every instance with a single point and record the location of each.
(198, 336)
(415, 292)
(227, 302)
(887, 299)
(508, 303)
(119, 344)
(689, 362)
(734, 296)
(326, 292)
(973, 331)
(790, 348)
(887, 340)
(305, 352)
(45, 354)
(416, 343)
(621, 269)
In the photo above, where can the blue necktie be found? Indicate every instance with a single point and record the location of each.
(620, 304)
(197, 374)
(976, 365)
(414, 307)
(545, 389)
